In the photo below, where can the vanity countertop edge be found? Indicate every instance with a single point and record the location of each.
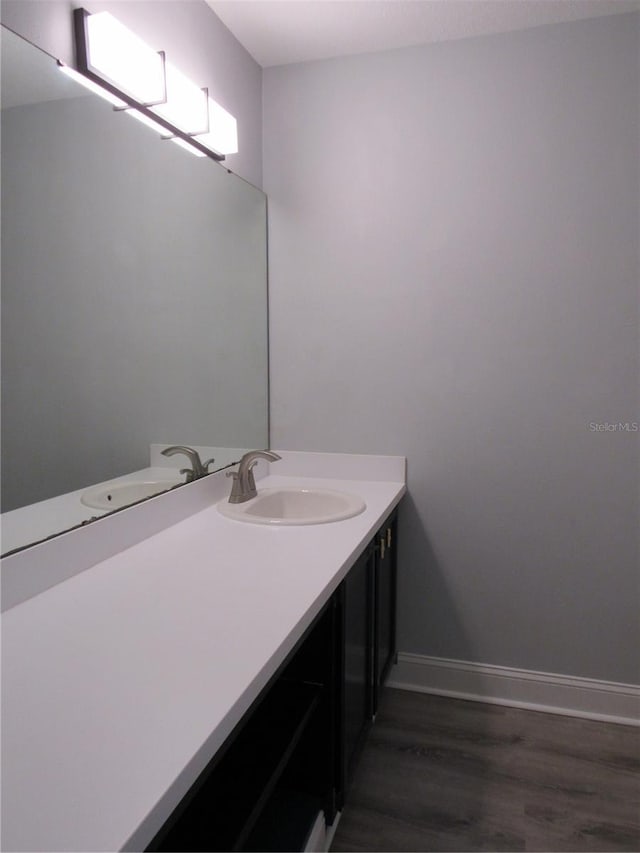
(121, 683)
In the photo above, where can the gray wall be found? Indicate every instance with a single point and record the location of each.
(454, 277)
(195, 40)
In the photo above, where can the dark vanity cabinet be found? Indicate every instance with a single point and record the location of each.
(293, 755)
(264, 789)
(384, 607)
(356, 621)
(368, 643)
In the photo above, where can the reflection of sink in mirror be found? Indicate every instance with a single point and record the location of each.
(118, 495)
(286, 506)
(38, 521)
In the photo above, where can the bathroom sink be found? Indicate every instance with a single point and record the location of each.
(118, 495)
(295, 506)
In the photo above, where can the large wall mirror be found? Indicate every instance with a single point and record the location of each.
(133, 299)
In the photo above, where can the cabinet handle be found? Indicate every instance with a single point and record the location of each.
(382, 547)
(388, 537)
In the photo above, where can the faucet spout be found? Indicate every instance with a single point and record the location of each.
(244, 484)
(198, 467)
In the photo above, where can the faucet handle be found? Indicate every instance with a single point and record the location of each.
(206, 464)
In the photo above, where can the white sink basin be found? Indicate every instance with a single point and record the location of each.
(295, 506)
(118, 495)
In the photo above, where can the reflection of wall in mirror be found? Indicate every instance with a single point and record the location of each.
(195, 40)
(134, 299)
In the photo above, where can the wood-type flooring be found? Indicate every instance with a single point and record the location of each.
(440, 774)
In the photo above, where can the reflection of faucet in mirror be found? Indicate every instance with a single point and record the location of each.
(198, 469)
(244, 484)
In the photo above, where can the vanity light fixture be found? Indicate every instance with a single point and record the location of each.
(118, 65)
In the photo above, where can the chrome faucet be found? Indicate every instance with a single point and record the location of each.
(198, 469)
(244, 484)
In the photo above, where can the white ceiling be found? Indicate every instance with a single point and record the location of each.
(278, 32)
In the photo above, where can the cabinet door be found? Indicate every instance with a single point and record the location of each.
(357, 679)
(385, 605)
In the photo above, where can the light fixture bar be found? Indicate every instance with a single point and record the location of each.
(140, 95)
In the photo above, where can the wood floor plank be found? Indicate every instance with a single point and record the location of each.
(446, 775)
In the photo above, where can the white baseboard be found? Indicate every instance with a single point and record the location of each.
(520, 688)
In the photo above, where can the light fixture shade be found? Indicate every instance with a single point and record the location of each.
(223, 131)
(117, 54)
(186, 105)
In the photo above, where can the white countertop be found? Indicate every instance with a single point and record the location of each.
(119, 684)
